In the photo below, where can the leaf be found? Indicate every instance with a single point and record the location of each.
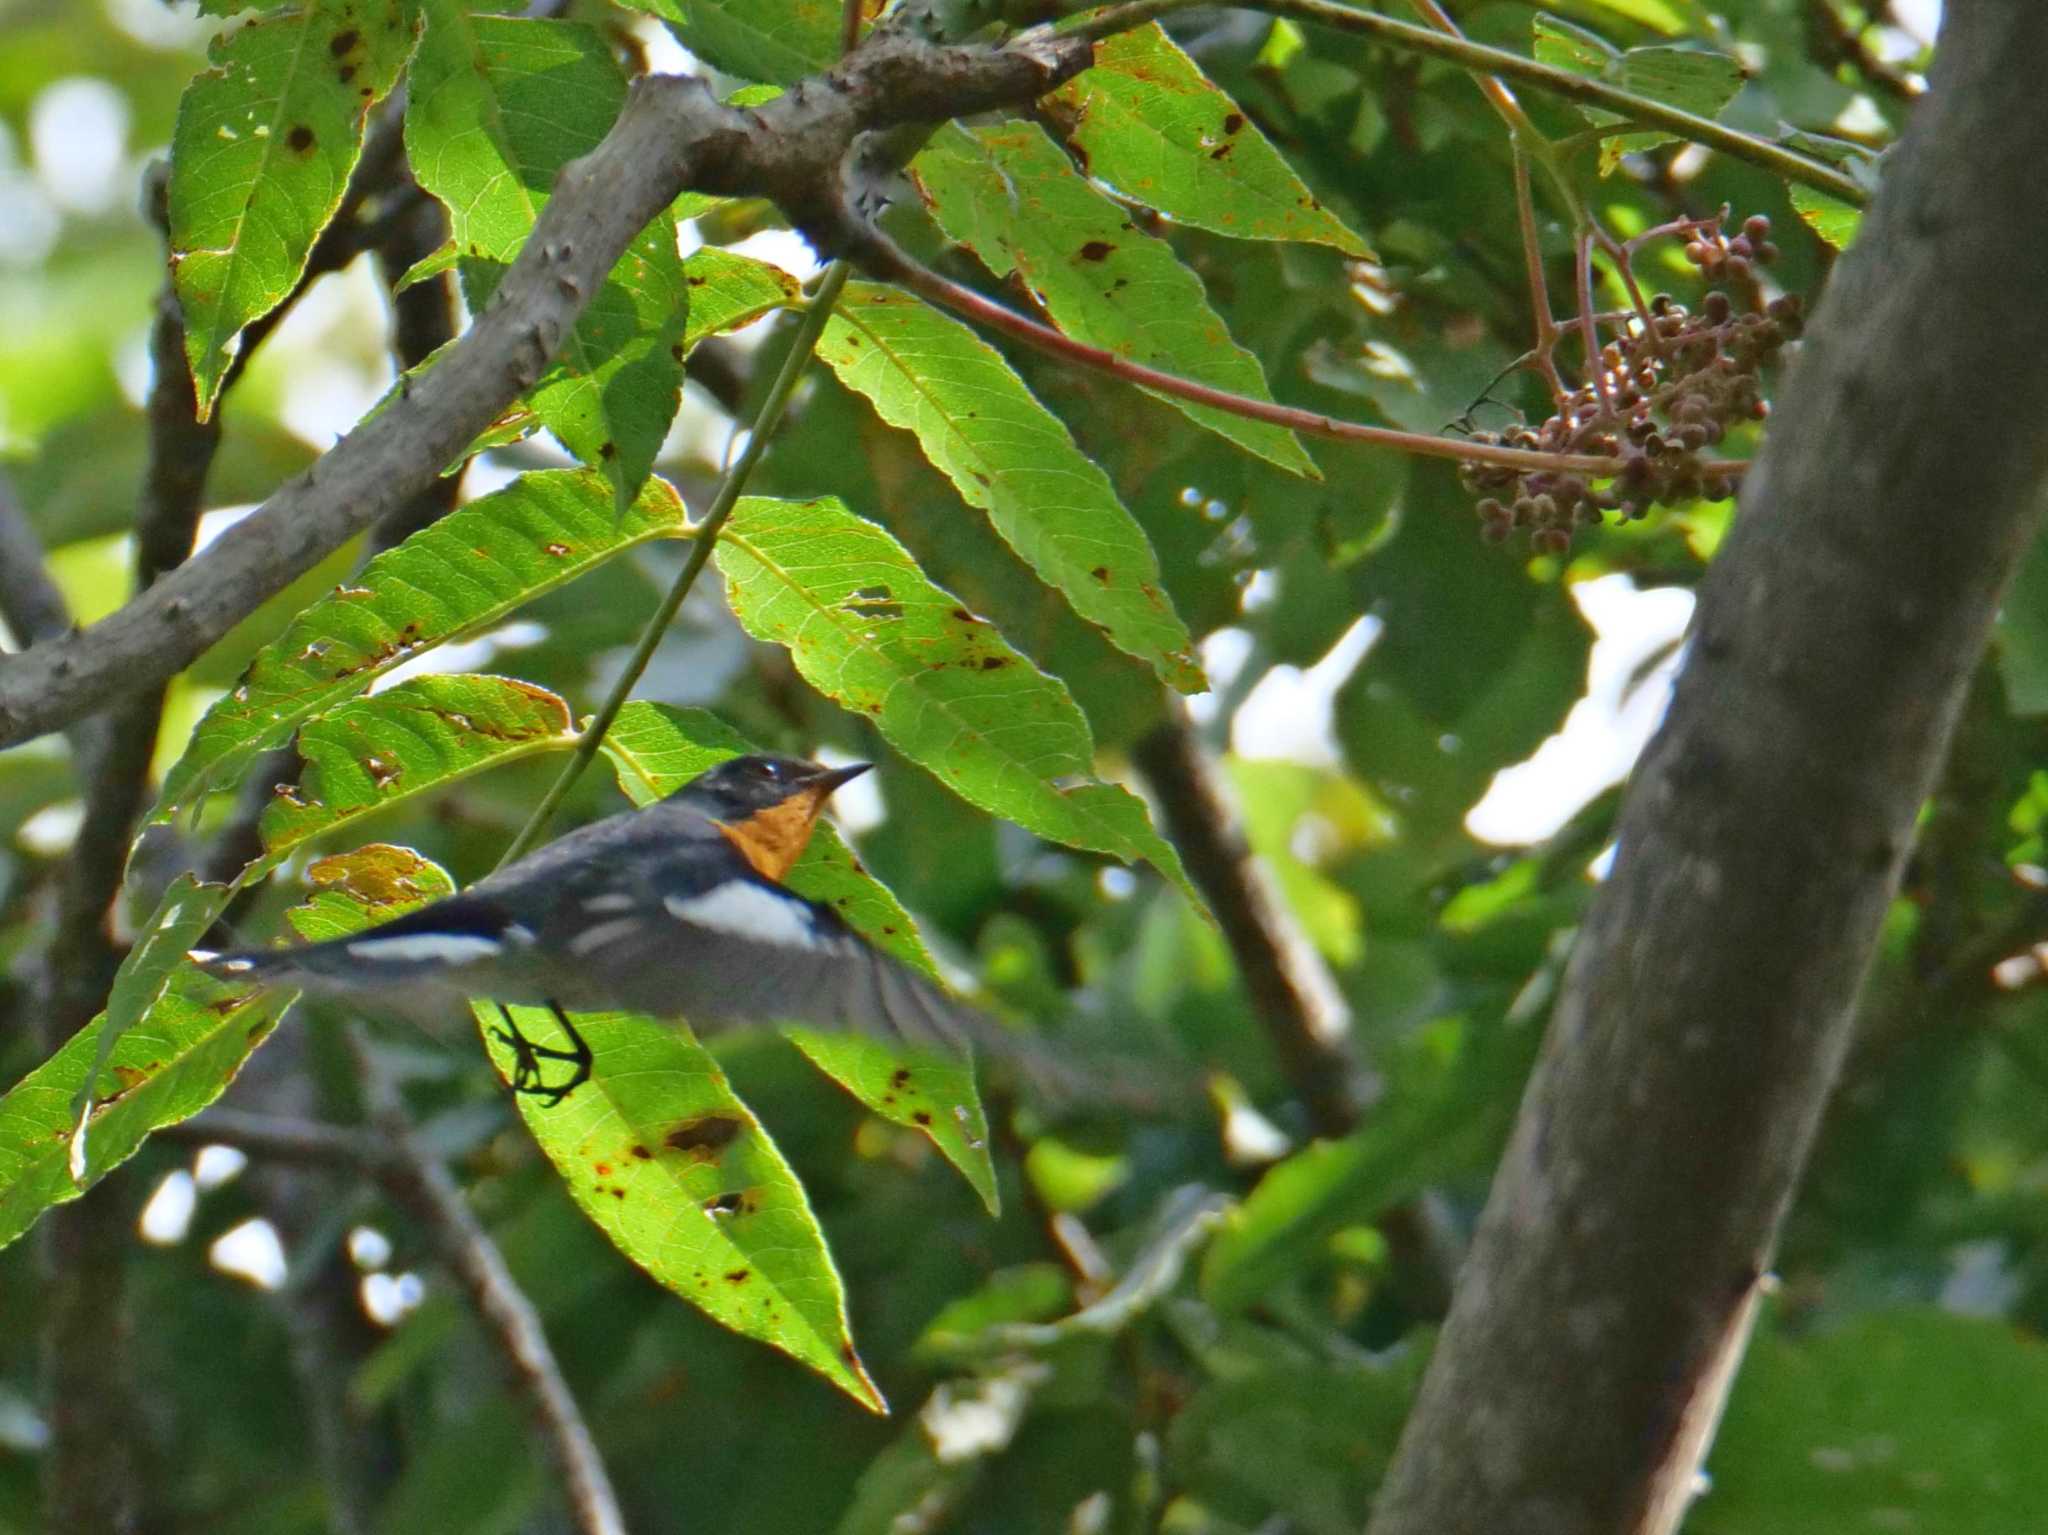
(772, 40)
(1829, 217)
(366, 754)
(171, 1064)
(1691, 79)
(656, 750)
(469, 569)
(1147, 122)
(1010, 456)
(260, 157)
(654, 1148)
(187, 910)
(496, 106)
(1007, 193)
(1449, 1103)
(1904, 1419)
(866, 628)
(728, 290)
(2023, 635)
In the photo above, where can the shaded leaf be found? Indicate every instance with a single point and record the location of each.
(1010, 456)
(1150, 124)
(496, 106)
(265, 142)
(867, 629)
(469, 569)
(1009, 194)
(366, 754)
(656, 750)
(1692, 79)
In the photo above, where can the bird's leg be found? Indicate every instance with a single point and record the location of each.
(527, 1056)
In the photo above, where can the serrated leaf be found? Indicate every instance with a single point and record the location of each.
(469, 569)
(728, 290)
(869, 630)
(171, 1064)
(1149, 123)
(265, 141)
(772, 40)
(1011, 457)
(496, 106)
(1693, 79)
(1007, 193)
(654, 1148)
(366, 754)
(656, 750)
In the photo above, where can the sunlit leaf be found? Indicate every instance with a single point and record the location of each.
(366, 754)
(175, 1060)
(773, 40)
(1149, 123)
(1010, 456)
(265, 142)
(1008, 193)
(469, 569)
(865, 627)
(656, 750)
(496, 106)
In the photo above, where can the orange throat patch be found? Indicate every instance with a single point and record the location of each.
(772, 840)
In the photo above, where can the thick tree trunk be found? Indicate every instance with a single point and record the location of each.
(1708, 1006)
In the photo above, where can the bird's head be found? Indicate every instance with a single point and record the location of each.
(766, 806)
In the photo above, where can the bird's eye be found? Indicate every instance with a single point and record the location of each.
(772, 771)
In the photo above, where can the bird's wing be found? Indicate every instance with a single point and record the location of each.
(745, 951)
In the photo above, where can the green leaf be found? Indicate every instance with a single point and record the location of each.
(264, 145)
(171, 1064)
(1691, 79)
(656, 750)
(867, 629)
(1148, 123)
(654, 1148)
(496, 106)
(1908, 1419)
(1450, 1100)
(2023, 635)
(773, 40)
(1829, 217)
(728, 290)
(469, 569)
(1009, 194)
(1010, 456)
(366, 754)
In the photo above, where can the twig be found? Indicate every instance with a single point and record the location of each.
(1293, 995)
(436, 1200)
(704, 537)
(30, 601)
(1508, 66)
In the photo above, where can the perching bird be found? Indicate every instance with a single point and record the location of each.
(677, 910)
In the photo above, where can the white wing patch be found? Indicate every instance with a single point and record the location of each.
(748, 910)
(440, 948)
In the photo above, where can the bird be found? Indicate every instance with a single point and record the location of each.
(676, 910)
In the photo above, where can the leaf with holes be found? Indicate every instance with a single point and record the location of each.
(772, 40)
(496, 106)
(656, 750)
(867, 629)
(174, 1061)
(367, 754)
(1007, 193)
(1010, 456)
(655, 1148)
(467, 570)
(1147, 122)
(260, 157)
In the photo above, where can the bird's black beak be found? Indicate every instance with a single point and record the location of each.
(829, 779)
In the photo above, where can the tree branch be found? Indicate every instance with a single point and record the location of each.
(1708, 1006)
(672, 136)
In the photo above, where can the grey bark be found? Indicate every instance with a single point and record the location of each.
(1708, 1007)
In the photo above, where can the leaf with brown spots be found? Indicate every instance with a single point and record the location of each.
(264, 144)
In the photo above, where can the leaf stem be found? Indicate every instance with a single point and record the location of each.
(1643, 110)
(703, 537)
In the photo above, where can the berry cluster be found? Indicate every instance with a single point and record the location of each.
(1668, 386)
